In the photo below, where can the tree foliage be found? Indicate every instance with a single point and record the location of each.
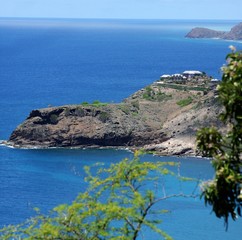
(116, 205)
(224, 192)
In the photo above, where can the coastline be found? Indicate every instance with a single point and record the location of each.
(162, 118)
(168, 148)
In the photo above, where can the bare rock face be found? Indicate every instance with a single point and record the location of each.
(234, 34)
(205, 33)
(82, 126)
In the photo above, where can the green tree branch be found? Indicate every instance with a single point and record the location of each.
(224, 192)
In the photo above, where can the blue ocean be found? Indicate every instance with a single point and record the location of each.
(52, 62)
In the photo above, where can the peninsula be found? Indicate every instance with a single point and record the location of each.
(234, 34)
(161, 117)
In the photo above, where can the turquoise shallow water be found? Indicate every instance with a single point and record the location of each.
(59, 62)
(46, 178)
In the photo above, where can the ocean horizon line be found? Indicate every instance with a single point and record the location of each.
(129, 19)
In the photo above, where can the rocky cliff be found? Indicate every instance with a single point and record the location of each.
(205, 33)
(162, 117)
(70, 126)
(234, 34)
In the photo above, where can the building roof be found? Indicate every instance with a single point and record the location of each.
(192, 72)
(165, 76)
(177, 75)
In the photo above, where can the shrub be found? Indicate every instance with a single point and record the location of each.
(148, 94)
(84, 103)
(104, 116)
(97, 103)
(162, 96)
(79, 112)
(53, 118)
(185, 102)
(67, 112)
(124, 108)
(135, 104)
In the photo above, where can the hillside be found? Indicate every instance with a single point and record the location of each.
(234, 34)
(205, 33)
(162, 117)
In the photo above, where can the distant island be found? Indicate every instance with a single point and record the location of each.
(162, 117)
(234, 34)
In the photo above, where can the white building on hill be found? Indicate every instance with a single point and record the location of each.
(191, 73)
(165, 76)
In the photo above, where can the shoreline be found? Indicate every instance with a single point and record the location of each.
(147, 149)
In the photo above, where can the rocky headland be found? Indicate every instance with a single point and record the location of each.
(161, 117)
(234, 34)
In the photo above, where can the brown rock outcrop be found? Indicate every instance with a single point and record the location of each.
(70, 126)
(205, 33)
(235, 33)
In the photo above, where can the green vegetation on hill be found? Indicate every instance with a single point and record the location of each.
(152, 95)
(184, 87)
(95, 103)
(185, 102)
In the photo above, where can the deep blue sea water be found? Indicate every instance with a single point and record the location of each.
(56, 62)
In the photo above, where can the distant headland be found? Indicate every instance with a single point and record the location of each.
(234, 34)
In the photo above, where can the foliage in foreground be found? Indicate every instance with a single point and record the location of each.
(116, 206)
(224, 192)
